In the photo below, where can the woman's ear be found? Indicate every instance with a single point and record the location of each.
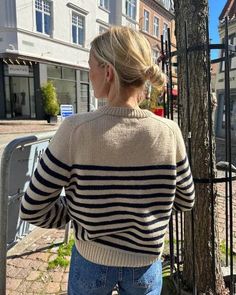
(109, 72)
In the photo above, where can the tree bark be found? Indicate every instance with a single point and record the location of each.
(209, 278)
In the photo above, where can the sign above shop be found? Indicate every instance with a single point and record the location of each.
(18, 70)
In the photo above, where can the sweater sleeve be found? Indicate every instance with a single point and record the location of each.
(43, 204)
(184, 198)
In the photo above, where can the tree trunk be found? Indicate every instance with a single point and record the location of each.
(209, 279)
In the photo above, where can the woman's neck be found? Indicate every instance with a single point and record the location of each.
(125, 98)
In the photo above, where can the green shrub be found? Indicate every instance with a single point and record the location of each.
(50, 102)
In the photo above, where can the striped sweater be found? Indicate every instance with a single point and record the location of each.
(123, 171)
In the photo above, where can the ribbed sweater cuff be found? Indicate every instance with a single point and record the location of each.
(98, 254)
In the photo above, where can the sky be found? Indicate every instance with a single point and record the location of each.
(215, 8)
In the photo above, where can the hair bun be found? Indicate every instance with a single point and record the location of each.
(155, 76)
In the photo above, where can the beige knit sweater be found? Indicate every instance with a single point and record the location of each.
(123, 170)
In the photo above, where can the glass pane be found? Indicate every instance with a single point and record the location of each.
(8, 98)
(20, 97)
(66, 92)
(54, 71)
(47, 24)
(81, 36)
(32, 98)
(74, 35)
(84, 76)
(84, 97)
(39, 25)
(68, 73)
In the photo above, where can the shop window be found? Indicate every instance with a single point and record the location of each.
(78, 29)
(54, 72)
(84, 76)
(131, 8)
(43, 16)
(68, 74)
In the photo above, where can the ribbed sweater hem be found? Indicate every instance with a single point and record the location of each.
(103, 255)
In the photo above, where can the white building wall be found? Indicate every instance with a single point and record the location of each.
(58, 47)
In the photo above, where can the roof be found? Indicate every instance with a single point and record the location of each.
(228, 10)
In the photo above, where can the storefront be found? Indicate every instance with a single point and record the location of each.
(21, 80)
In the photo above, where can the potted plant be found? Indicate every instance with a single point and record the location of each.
(50, 102)
(153, 102)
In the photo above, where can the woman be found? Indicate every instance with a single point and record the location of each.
(123, 168)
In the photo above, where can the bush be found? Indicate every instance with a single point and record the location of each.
(50, 102)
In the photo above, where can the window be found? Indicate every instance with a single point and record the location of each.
(232, 62)
(104, 4)
(155, 55)
(131, 8)
(43, 16)
(167, 4)
(78, 29)
(165, 32)
(156, 26)
(146, 21)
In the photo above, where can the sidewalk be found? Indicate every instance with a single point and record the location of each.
(28, 261)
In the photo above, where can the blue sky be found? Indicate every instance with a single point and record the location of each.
(215, 8)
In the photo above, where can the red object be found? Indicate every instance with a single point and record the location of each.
(174, 92)
(159, 112)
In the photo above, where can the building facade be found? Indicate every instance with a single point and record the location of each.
(156, 17)
(43, 40)
(228, 11)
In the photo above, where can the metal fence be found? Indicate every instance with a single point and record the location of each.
(19, 160)
(227, 178)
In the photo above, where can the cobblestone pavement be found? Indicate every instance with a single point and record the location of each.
(27, 265)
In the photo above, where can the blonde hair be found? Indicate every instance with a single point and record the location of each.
(130, 54)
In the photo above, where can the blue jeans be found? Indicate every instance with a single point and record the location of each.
(87, 278)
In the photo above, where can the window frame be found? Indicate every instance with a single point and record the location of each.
(77, 14)
(102, 4)
(131, 9)
(42, 8)
(146, 22)
(165, 32)
(156, 27)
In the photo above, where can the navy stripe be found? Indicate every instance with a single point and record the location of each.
(104, 178)
(122, 247)
(180, 172)
(185, 200)
(31, 201)
(56, 161)
(113, 213)
(119, 196)
(45, 182)
(119, 221)
(55, 215)
(183, 180)
(126, 168)
(189, 194)
(180, 163)
(123, 229)
(145, 239)
(185, 188)
(53, 173)
(123, 187)
(120, 204)
(38, 191)
(184, 206)
(123, 238)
